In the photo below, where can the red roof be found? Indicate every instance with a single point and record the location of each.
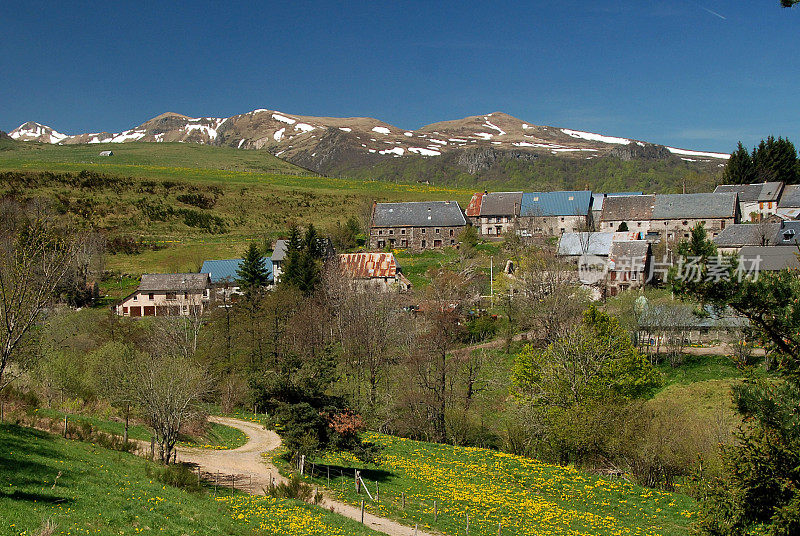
(368, 265)
(474, 207)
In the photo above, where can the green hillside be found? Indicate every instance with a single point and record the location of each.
(521, 495)
(80, 488)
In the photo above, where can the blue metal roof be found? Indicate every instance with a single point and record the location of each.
(225, 270)
(556, 203)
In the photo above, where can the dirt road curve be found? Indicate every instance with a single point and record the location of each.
(251, 472)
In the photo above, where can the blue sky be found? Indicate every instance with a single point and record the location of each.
(699, 75)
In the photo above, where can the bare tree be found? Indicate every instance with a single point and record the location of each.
(35, 257)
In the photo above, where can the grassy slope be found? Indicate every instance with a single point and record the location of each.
(107, 492)
(523, 495)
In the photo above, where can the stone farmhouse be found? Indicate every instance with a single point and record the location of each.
(735, 237)
(635, 211)
(554, 213)
(674, 215)
(789, 204)
(168, 295)
(496, 213)
(756, 201)
(598, 200)
(418, 225)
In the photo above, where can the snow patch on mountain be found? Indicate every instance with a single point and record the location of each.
(128, 135)
(686, 152)
(595, 137)
(381, 130)
(423, 151)
(484, 135)
(346, 129)
(305, 127)
(284, 119)
(495, 127)
(397, 151)
(279, 134)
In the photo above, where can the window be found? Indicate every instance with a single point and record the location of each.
(423, 243)
(150, 296)
(451, 232)
(562, 218)
(452, 242)
(402, 231)
(437, 243)
(572, 198)
(381, 244)
(404, 243)
(438, 231)
(721, 224)
(391, 242)
(536, 198)
(685, 222)
(423, 232)
(391, 231)
(639, 224)
(761, 205)
(135, 297)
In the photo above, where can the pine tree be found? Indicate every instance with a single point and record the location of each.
(303, 260)
(252, 273)
(739, 169)
(776, 160)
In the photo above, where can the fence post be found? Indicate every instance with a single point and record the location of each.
(65, 426)
(404, 500)
(416, 528)
(233, 482)
(329, 476)
(435, 511)
(362, 511)
(251, 482)
(499, 529)
(467, 523)
(198, 474)
(377, 492)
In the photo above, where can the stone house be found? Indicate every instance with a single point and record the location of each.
(628, 265)
(756, 201)
(735, 237)
(416, 225)
(495, 213)
(635, 211)
(168, 295)
(598, 200)
(554, 213)
(674, 215)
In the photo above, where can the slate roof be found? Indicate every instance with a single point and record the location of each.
(790, 197)
(623, 253)
(748, 193)
(788, 234)
(598, 199)
(747, 234)
(628, 208)
(368, 265)
(501, 204)
(174, 282)
(576, 244)
(769, 258)
(691, 206)
(474, 207)
(225, 269)
(418, 214)
(569, 203)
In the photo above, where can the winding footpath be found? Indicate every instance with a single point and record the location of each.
(250, 471)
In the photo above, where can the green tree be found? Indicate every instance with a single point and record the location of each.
(776, 160)
(758, 493)
(739, 169)
(252, 272)
(304, 260)
(789, 3)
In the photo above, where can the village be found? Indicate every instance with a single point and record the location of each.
(615, 241)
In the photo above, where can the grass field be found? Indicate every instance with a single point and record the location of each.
(519, 496)
(252, 196)
(85, 489)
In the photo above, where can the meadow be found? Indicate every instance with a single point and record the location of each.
(442, 485)
(80, 488)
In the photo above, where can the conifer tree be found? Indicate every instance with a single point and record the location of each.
(739, 169)
(252, 273)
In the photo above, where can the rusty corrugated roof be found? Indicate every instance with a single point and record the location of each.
(368, 265)
(474, 207)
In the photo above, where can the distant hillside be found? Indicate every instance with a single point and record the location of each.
(491, 147)
(6, 141)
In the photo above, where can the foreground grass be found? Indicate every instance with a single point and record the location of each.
(517, 495)
(107, 492)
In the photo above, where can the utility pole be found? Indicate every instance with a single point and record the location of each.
(491, 279)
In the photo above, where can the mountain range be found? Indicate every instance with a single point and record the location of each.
(363, 145)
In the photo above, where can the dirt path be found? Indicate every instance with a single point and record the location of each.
(249, 471)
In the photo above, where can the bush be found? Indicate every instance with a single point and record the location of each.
(176, 475)
(198, 200)
(295, 489)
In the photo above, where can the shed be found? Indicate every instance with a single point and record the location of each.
(106, 153)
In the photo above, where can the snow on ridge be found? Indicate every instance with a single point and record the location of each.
(397, 151)
(424, 152)
(279, 134)
(457, 140)
(381, 130)
(409, 134)
(686, 152)
(241, 142)
(595, 137)
(346, 129)
(284, 119)
(305, 127)
(484, 135)
(128, 135)
(210, 132)
(495, 127)
(36, 131)
(440, 142)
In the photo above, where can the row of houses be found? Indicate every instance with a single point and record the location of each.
(189, 294)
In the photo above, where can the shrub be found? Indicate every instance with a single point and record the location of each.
(198, 200)
(176, 475)
(295, 489)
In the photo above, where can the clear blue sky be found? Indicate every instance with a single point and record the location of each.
(690, 74)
